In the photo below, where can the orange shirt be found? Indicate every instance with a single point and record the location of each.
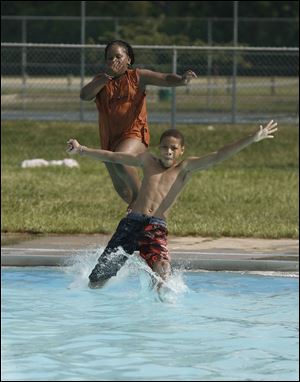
(122, 111)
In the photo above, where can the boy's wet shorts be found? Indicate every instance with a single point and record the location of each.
(136, 232)
(153, 242)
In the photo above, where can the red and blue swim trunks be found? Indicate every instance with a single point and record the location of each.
(135, 232)
(153, 242)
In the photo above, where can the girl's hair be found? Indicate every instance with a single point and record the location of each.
(173, 133)
(124, 45)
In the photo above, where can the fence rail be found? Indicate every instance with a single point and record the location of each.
(234, 84)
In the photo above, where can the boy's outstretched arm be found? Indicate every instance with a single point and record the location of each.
(202, 163)
(74, 147)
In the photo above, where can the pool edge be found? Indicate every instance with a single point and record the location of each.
(179, 260)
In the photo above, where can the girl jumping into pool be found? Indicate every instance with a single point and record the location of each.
(120, 96)
(145, 228)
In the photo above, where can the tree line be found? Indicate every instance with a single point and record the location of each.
(261, 23)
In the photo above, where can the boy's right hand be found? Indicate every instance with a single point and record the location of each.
(73, 146)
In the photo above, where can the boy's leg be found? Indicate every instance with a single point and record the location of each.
(108, 265)
(162, 268)
(153, 249)
(112, 260)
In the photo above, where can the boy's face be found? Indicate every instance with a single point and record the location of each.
(117, 59)
(170, 150)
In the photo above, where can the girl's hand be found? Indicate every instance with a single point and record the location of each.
(265, 132)
(187, 76)
(116, 67)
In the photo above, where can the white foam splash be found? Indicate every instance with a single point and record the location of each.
(81, 265)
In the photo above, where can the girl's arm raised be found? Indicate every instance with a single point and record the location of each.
(148, 77)
(90, 90)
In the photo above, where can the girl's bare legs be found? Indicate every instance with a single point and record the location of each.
(126, 179)
(123, 190)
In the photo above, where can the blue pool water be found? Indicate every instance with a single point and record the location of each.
(210, 326)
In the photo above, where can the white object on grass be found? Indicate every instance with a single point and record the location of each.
(44, 163)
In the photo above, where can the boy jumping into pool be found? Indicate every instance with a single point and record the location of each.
(145, 228)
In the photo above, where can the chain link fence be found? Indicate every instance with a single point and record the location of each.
(234, 85)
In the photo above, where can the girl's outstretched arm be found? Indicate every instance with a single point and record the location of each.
(149, 77)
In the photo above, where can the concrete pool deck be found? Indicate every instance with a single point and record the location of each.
(191, 253)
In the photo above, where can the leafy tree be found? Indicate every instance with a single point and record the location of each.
(157, 22)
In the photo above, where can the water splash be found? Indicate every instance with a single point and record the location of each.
(80, 266)
(134, 278)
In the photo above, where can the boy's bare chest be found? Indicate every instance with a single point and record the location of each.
(159, 180)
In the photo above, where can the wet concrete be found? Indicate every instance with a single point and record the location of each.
(236, 254)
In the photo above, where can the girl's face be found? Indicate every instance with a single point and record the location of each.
(117, 60)
(170, 150)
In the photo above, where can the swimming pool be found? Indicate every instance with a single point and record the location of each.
(212, 326)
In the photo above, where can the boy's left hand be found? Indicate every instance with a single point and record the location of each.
(73, 146)
(187, 76)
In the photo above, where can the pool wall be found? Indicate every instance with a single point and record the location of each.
(190, 253)
(187, 260)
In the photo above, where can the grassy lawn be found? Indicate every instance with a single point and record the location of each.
(272, 94)
(253, 194)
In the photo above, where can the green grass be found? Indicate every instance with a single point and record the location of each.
(253, 194)
(260, 94)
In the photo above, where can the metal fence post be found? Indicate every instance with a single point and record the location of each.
(209, 64)
(233, 93)
(116, 28)
(24, 63)
(234, 69)
(174, 70)
(82, 61)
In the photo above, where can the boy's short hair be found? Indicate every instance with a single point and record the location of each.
(173, 133)
(124, 45)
